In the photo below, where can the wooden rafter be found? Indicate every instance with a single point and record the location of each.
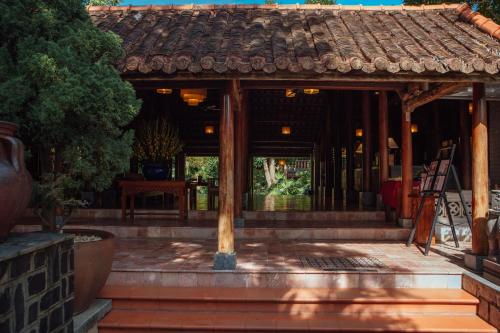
(416, 97)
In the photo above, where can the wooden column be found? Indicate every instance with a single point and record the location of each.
(465, 145)
(367, 142)
(406, 163)
(328, 157)
(383, 137)
(480, 194)
(337, 120)
(349, 150)
(180, 164)
(226, 179)
(316, 175)
(240, 150)
(436, 133)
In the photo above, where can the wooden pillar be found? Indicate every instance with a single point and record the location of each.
(240, 151)
(465, 145)
(480, 193)
(367, 142)
(225, 257)
(328, 158)
(436, 133)
(349, 150)
(383, 137)
(316, 176)
(180, 166)
(406, 163)
(337, 121)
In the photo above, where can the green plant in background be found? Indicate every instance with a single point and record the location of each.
(205, 166)
(54, 201)
(157, 141)
(320, 2)
(58, 82)
(270, 179)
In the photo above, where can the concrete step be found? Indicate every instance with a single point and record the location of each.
(163, 321)
(299, 301)
(139, 309)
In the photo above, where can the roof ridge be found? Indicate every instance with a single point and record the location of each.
(484, 23)
(277, 6)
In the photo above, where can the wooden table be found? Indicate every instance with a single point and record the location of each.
(130, 188)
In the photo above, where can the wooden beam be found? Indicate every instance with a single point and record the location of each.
(383, 124)
(480, 193)
(323, 85)
(226, 173)
(413, 99)
(367, 141)
(406, 163)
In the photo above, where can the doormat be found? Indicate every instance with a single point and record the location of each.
(343, 263)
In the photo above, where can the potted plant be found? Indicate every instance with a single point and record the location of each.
(53, 202)
(156, 143)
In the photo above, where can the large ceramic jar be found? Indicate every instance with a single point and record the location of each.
(15, 181)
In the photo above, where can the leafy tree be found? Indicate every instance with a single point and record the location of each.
(101, 2)
(270, 2)
(58, 82)
(320, 2)
(489, 8)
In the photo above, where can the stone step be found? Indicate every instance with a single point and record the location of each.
(379, 233)
(132, 321)
(274, 279)
(139, 309)
(300, 301)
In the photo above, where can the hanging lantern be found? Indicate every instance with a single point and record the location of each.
(311, 91)
(209, 130)
(470, 107)
(281, 163)
(359, 132)
(164, 91)
(286, 130)
(193, 97)
(290, 93)
(414, 128)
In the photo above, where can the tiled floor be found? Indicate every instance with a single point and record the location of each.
(162, 255)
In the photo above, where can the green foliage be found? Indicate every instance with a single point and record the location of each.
(157, 141)
(58, 82)
(270, 2)
(206, 167)
(488, 8)
(101, 2)
(320, 2)
(52, 200)
(298, 185)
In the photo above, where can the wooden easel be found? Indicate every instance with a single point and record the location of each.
(434, 184)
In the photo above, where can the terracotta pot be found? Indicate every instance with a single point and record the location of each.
(92, 265)
(15, 180)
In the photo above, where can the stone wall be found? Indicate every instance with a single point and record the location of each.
(488, 294)
(36, 283)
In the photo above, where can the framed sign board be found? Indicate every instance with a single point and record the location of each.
(434, 184)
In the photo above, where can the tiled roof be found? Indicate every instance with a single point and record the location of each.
(303, 39)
